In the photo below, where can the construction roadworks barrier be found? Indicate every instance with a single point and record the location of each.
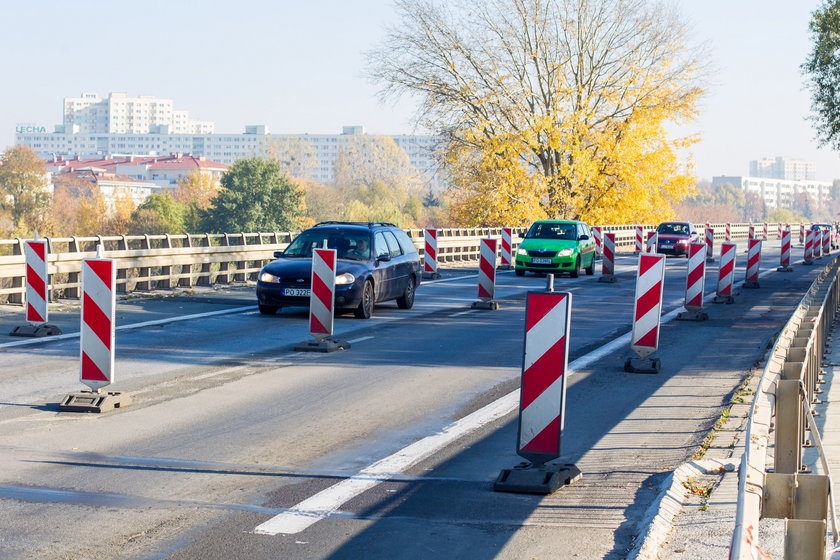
(726, 274)
(751, 232)
(640, 236)
(322, 304)
(784, 258)
(652, 241)
(596, 232)
(764, 236)
(430, 251)
(826, 242)
(710, 244)
(542, 397)
(506, 252)
(808, 257)
(784, 398)
(728, 232)
(608, 260)
(487, 276)
(96, 368)
(695, 284)
(647, 314)
(37, 292)
(753, 264)
(801, 234)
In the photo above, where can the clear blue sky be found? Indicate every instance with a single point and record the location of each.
(298, 67)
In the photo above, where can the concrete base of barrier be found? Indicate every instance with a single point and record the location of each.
(323, 345)
(493, 305)
(35, 331)
(784, 269)
(723, 299)
(431, 276)
(642, 365)
(692, 316)
(751, 285)
(90, 401)
(608, 279)
(528, 479)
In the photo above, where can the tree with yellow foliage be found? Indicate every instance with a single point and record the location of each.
(551, 108)
(196, 192)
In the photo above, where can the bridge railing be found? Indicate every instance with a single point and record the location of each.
(149, 262)
(782, 410)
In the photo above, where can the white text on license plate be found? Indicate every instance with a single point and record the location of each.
(296, 292)
(538, 260)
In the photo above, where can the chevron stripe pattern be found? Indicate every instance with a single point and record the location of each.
(596, 231)
(322, 296)
(487, 269)
(430, 250)
(695, 279)
(648, 305)
(608, 262)
(97, 326)
(640, 235)
(753, 260)
(784, 260)
(726, 273)
(507, 246)
(35, 253)
(710, 241)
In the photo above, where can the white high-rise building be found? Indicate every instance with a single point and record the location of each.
(121, 114)
(782, 167)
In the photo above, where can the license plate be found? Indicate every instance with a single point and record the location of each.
(538, 260)
(296, 292)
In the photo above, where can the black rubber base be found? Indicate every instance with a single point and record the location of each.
(527, 479)
(642, 365)
(692, 316)
(608, 278)
(492, 305)
(323, 345)
(89, 401)
(35, 331)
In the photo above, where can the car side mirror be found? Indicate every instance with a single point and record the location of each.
(384, 258)
(583, 238)
(278, 254)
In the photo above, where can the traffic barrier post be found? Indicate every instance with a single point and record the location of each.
(784, 259)
(506, 252)
(430, 254)
(816, 244)
(765, 231)
(486, 276)
(726, 274)
(647, 312)
(37, 291)
(596, 232)
(96, 339)
(608, 261)
(640, 236)
(542, 397)
(710, 244)
(808, 257)
(753, 264)
(322, 305)
(728, 232)
(801, 234)
(652, 241)
(779, 230)
(695, 284)
(826, 242)
(751, 232)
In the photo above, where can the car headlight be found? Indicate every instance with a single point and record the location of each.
(521, 251)
(565, 252)
(345, 278)
(268, 277)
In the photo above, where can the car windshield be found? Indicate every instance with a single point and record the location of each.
(553, 231)
(350, 245)
(677, 229)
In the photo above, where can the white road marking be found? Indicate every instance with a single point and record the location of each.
(284, 357)
(360, 339)
(463, 312)
(326, 502)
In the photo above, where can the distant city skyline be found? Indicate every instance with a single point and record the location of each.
(299, 68)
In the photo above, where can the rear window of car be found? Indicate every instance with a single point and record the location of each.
(677, 229)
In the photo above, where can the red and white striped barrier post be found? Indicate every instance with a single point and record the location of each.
(322, 305)
(816, 244)
(784, 259)
(542, 397)
(486, 275)
(728, 233)
(37, 291)
(765, 231)
(647, 313)
(751, 232)
(640, 236)
(826, 242)
(99, 302)
(596, 232)
(430, 254)
(779, 230)
(801, 234)
(695, 284)
(506, 252)
(753, 262)
(710, 244)
(726, 274)
(808, 257)
(652, 241)
(608, 261)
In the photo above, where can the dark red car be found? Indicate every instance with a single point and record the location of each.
(673, 238)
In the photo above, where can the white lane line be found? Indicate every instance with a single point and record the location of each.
(360, 339)
(284, 357)
(463, 312)
(326, 502)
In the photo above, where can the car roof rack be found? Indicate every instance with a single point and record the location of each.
(368, 224)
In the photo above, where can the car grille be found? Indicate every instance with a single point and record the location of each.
(547, 254)
(535, 265)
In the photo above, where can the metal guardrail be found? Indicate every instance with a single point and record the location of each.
(148, 262)
(782, 409)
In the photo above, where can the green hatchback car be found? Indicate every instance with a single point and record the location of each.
(556, 246)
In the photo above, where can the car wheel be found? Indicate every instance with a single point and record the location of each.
(406, 300)
(268, 309)
(590, 270)
(365, 308)
(520, 272)
(576, 270)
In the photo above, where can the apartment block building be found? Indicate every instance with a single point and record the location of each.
(781, 167)
(779, 193)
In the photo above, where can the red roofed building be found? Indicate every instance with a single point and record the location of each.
(110, 184)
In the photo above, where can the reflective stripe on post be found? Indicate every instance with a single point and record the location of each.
(751, 232)
(728, 233)
(784, 259)
(779, 230)
(487, 270)
(816, 244)
(322, 294)
(99, 277)
(726, 273)
(753, 262)
(507, 246)
(801, 234)
(647, 310)
(809, 247)
(765, 230)
(695, 280)
(543, 386)
(608, 263)
(640, 232)
(652, 241)
(826, 242)
(596, 232)
(37, 296)
(430, 251)
(710, 244)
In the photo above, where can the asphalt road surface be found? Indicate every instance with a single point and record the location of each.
(238, 447)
